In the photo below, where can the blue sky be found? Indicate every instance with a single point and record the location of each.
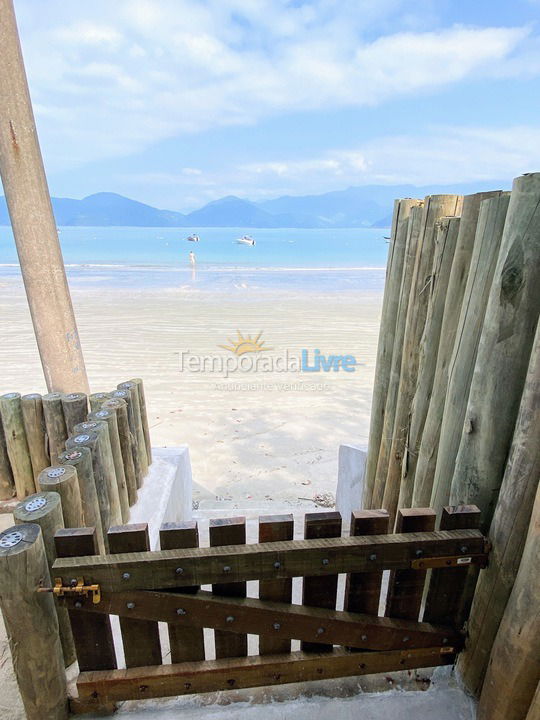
(179, 102)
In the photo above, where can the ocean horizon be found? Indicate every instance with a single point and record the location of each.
(293, 259)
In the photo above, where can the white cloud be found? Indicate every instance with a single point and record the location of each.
(443, 155)
(111, 79)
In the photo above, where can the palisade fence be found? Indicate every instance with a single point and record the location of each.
(456, 409)
(93, 451)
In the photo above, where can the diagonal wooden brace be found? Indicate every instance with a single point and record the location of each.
(248, 615)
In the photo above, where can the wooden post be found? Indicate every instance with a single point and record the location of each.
(7, 484)
(140, 638)
(373, 496)
(97, 400)
(320, 591)
(137, 428)
(445, 246)
(126, 396)
(103, 467)
(363, 590)
(45, 509)
(33, 223)
(450, 589)
(273, 528)
(63, 480)
(186, 643)
(144, 417)
(17, 444)
(442, 431)
(81, 460)
(435, 207)
(471, 243)
(55, 424)
(514, 666)
(105, 459)
(75, 406)
(91, 631)
(534, 710)
(109, 417)
(503, 355)
(31, 623)
(119, 406)
(34, 425)
(406, 587)
(507, 532)
(229, 531)
(392, 286)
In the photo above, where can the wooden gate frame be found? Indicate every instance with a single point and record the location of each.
(144, 588)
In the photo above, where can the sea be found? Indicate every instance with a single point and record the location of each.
(321, 260)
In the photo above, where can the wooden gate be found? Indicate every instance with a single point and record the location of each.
(144, 588)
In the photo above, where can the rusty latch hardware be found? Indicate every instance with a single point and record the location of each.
(449, 561)
(76, 588)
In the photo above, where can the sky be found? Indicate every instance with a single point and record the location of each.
(179, 102)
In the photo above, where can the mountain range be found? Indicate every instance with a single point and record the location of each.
(362, 206)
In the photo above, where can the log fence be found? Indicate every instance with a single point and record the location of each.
(145, 588)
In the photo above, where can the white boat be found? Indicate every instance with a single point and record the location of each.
(193, 238)
(246, 240)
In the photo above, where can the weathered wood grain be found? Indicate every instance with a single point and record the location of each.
(34, 425)
(45, 509)
(75, 406)
(514, 666)
(406, 587)
(227, 674)
(373, 496)
(55, 424)
(387, 332)
(480, 232)
(229, 531)
(32, 625)
(7, 484)
(282, 621)
(16, 444)
(92, 633)
(144, 418)
(273, 528)
(363, 590)
(186, 643)
(63, 480)
(140, 638)
(239, 563)
(109, 416)
(435, 207)
(81, 460)
(503, 355)
(445, 245)
(508, 530)
(119, 406)
(320, 591)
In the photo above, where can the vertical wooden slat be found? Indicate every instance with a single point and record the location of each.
(363, 590)
(92, 632)
(139, 637)
(451, 590)
(320, 591)
(186, 643)
(229, 531)
(406, 587)
(273, 528)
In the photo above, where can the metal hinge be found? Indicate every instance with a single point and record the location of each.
(449, 561)
(77, 587)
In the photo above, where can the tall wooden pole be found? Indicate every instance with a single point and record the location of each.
(33, 223)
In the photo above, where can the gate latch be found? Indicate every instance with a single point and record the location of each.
(77, 587)
(449, 561)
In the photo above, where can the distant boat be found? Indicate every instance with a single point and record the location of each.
(246, 240)
(193, 238)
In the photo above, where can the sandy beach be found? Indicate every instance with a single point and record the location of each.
(254, 437)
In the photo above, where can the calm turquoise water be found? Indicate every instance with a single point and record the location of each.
(344, 259)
